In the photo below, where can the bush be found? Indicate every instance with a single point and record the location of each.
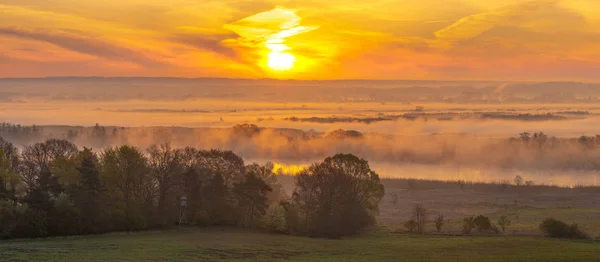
(31, 223)
(7, 218)
(503, 222)
(483, 224)
(411, 225)
(558, 229)
(275, 219)
(468, 225)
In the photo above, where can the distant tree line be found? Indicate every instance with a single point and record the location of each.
(53, 188)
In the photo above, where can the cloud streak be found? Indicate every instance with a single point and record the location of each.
(81, 44)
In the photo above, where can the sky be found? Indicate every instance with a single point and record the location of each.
(541, 40)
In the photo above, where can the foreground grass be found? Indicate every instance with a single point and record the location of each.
(192, 244)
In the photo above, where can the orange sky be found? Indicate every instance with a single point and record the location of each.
(314, 39)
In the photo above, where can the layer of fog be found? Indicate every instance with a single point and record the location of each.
(400, 149)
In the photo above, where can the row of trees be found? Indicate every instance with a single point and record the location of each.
(550, 226)
(53, 188)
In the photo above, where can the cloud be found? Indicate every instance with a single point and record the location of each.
(204, 42)
(270, 27)
(473, 25)
(81, 44)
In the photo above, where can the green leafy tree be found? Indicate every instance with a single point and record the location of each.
(341, 186)
(89, 195)
(130, 187)
(275, 219)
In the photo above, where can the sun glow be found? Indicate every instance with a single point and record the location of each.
(280, 61)
(269, 34)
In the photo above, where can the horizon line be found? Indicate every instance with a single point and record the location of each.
(290, 79)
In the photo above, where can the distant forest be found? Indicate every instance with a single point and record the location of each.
(87, 89)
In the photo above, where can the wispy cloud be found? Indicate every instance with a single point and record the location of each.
(86, 45)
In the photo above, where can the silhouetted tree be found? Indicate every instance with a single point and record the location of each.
(251, 195)
(518, 180)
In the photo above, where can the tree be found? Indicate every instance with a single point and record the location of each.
(439, 222)
(518, 180)
(88, 196)
(420, 217)
(10, 183)
(305, 196)
(503, 222)
(265, 172)
(218, 202)
(227, 163)
(275, 219)
(365, 182)
(131, 188)
(411, 225)
(559, 229)
(483, 224)
(10, 153)
(468, 225)
(251, 195)
(341, 186)
(166, 171)
(38, 159)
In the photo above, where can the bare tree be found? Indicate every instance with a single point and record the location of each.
(420, 217)
(439, 222)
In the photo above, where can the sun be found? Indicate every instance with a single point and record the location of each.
(280, 61)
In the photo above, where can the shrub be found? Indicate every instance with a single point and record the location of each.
(558, 229)
(468, 225)
(503, 222)
(275, 219)
(411, 225)
(482, 223)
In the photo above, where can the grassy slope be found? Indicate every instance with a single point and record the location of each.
(231, 244)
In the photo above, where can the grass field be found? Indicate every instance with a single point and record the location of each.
(196, 244)
(522, 241)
